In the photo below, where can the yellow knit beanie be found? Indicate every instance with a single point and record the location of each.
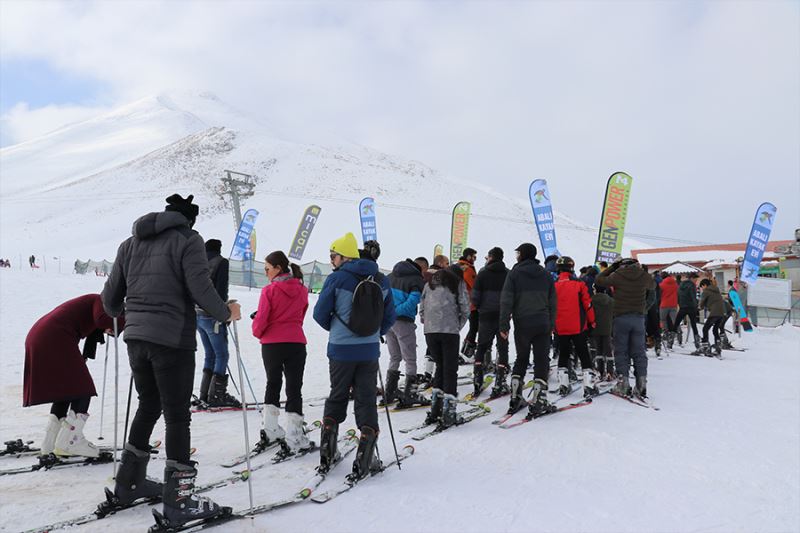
(346, 246)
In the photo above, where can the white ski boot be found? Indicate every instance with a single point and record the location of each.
(51, 433)
(71, 440)
(589, 383)
(296, 439)
(564, 384)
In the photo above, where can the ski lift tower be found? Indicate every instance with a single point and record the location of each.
(238, 185)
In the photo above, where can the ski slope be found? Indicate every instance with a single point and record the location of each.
(721, 455)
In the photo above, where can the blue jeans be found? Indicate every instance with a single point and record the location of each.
(215, 344)
(629, 343)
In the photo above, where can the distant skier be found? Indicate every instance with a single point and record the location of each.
(574, 317)
(630, 284)
(357, 313)
(439, 262)
(467, 264)
(668, 308)
(711, 299)
(444, 309)
(687, 300)
(55, 371)
(603, 306)
(529, 297)
(278, 325)
(652, 317)
(214, 336)
(486, 298)
(159, 274)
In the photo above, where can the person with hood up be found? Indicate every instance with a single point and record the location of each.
(214, 336)
(631, 285)
(278, 325)
(357, 308)
(159, 275)
(486, 298)
(444, 309)
(407, 285)
(55, 371)
(529, 297)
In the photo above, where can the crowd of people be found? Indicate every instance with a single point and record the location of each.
(167, 287)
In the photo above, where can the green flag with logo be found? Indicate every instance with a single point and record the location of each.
(459, 229)
(615, 212)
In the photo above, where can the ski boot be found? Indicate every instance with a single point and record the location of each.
(641, 387)
(716, 349)
(573, 377)
(367, 461)
(517, 402)
(670, 339)
(703, 349)
(589, 384)
(328, 453)
(296, 440)
(205, 384)
(564, 382)
(657, 344)
(411, 395)
(726, 343)
(271, 432)
(132, 483)
(71, 440)
(424, 380)
(623, 387)
(477, 379)
(437, 400)
(218, 395)
(539, 404)
(48, 445)
(449, 415)
(500, 386)
(181, 505)
(390, 391)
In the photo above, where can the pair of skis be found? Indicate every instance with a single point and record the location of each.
(258, 449)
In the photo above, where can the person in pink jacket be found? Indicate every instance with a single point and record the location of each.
(278, 325)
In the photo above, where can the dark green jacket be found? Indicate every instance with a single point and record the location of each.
(603, 305)
(712, 300)
(528, 296)
(630, 284)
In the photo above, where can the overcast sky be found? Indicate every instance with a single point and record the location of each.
(699, 102)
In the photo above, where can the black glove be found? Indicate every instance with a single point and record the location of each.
(253, 315)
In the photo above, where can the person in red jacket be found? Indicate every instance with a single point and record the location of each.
(669, 306)
(278, 325)
(55, 371)
(574, 317)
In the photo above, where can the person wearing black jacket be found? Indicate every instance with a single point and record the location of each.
(486, 298)
(652, 317)
(687, 307)
(214, 336)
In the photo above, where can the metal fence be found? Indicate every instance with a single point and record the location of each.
(251, 274)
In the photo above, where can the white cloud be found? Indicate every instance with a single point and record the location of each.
(20, 123)
(681, 95)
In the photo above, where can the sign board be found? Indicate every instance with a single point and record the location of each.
(770, 292)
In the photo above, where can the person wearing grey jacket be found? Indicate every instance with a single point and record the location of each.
(159, 274)
(444, 309)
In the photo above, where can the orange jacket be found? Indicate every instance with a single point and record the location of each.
(469, 278)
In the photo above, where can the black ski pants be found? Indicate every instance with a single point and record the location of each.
(565, 345)
(653, 323)
(682, 313)
(488, 331)
(81, 405)
(164, 378)
(444, 350)
(538, 338)
(474, 320)
(714, 322)
(284, 359)
(361, 377)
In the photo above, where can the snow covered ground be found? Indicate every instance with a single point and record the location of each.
(722, 454)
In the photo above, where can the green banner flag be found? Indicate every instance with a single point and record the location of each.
(612, 223)
(459, 230)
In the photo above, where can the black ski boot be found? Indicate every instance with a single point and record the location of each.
(205, 383)
(449, 415)
(477, 379)
(411, 395)
(726, 343)
(390, 391)
(539, 404)
(716, 349)
(641, 387)
(517, 402)
(367, 461)
(658, 347)
(328, 454)
(500, 386)
(468, 349)
(181, 505)
(437, 400)
(132, 483)
(218, 394)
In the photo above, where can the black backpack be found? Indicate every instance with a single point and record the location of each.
(366, 313)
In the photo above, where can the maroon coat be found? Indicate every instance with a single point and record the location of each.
(55, 369)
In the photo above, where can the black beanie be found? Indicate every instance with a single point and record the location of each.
(526, 251)
(214, 245)
(496, 253)
(183, 206)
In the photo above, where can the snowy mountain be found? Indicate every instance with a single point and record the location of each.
(76, 191)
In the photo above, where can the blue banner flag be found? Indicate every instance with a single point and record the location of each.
(543, 216)
(242, 250)
(366, 210)
(757, 242)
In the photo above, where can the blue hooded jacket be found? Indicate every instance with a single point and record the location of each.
(407, 283)
(337, 296)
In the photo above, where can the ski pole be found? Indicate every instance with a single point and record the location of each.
(244, 414)
(250, 386)
(389, 419)
(103, 399)
(233, 381)
(127, 411)
(116, 392)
